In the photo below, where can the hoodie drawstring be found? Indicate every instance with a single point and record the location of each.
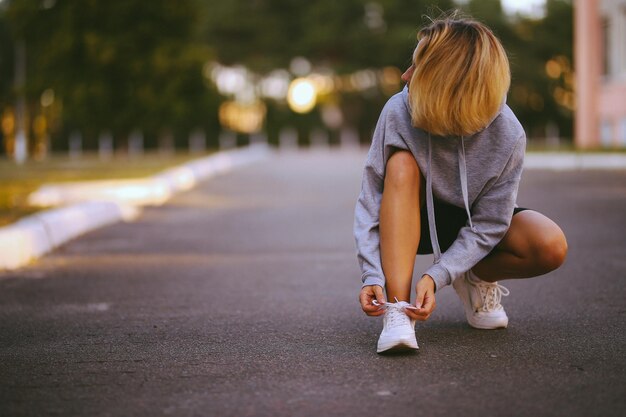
(429, 195)
(430, 204)
(463, 176)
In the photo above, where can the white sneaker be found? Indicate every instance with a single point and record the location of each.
(482, 302)
(398, 329)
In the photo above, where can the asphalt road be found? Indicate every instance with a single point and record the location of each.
(239, 298)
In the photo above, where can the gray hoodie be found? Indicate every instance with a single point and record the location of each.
(480, 172)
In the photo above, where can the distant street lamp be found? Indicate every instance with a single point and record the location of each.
(302, 95)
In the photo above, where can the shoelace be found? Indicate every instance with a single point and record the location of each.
(395, 316)
(491, 293)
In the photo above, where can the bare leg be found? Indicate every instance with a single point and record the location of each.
(534, 245)
(400, 223)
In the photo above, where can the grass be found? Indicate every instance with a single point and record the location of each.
(18, 181)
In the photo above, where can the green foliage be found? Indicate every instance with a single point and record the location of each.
(117, 65)
(267, 34)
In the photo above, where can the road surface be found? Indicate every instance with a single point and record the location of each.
(239, 298)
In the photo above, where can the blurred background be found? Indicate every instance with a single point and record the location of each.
(131, 76)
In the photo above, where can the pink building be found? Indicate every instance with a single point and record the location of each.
(600, 64)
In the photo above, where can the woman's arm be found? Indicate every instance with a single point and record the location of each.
(366, 225)
(367, 211)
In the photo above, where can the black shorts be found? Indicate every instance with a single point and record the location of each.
(449, 220)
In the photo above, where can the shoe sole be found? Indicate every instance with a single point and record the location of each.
(488, 326)
(402, 345)
(469, 313)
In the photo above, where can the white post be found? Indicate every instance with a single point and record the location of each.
(349, 138)
(227, 139)
(135, 143)
(105, 145)
(288, 139)
(75, 147)
(552, 135)
(166, 143)
(319, 139)
(197, 141)
(259, 138)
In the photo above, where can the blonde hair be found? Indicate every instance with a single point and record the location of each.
(461, 77)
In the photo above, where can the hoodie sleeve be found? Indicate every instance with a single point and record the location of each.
(367, 211)
(491, 215)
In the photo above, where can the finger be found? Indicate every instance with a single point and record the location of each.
(364, 298)
(371, 308)
(413, 314)
(419, 315)
(375, 313)
(419, 301)
(380, 296)
(366, 295)
(423, 312)
(423, 315)
(426, 310)
(429, 303)
(366, 303)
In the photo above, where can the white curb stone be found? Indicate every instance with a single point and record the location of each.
(92, 204)
(38, 234)
(558, 161)
(152, 191)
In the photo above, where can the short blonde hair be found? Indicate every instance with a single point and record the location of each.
(461, 77)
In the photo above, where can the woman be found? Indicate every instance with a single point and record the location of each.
(441, 177)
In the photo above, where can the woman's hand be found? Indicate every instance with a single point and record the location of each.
(368, 294)
(425, 299)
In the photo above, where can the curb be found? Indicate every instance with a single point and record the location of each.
(38, 234)
(94, 204)
(572, 161)
(150, 191)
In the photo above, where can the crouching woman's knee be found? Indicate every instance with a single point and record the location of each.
(551, 251)
(402, 170)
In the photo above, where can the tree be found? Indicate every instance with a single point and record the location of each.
(538, 100)
(117, 65)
